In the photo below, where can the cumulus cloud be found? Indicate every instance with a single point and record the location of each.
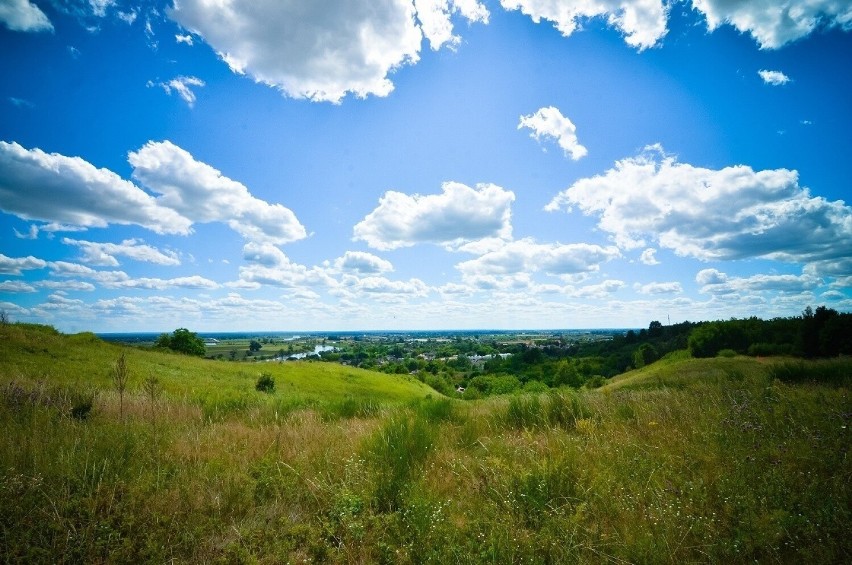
(104, 254)
(323, 50)
(598, 291)
(774, 23)
(775, 78)
(35, 185)
(120, 279)
(192, 282)
(549, 123)
(66, 285)
(731, 213)
(649, 257)
(643, 22)
(527, 256)
(182, 86)
(198, 191)
(718, 283)
(15, 287)
(23, 15)
(434, 19)
(381, 286)
(17, 265)
(457, 216)
(187, 39)
(362, 263)
(268, 265)
(660, 288)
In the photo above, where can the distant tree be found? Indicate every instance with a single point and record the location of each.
(4, 318)
(183, 341)
(645, 354)
(706, 340)
(655, 329)
(255, 346)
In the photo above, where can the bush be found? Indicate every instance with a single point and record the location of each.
(596, 381)
(265, 383)
(81, 404)
(726, 353)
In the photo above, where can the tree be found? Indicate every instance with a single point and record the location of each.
(183, 341)
(255, 346)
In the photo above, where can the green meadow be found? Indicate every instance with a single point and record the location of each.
(733, 459)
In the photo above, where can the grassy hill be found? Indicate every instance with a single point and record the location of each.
(686, 460)
(38, 355)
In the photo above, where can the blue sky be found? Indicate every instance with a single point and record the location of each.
(422, 164)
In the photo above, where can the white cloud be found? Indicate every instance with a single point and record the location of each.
(120, 279)
(457, 216)
(268, 265)
(110, 279)
(16, 265)
(187, 39)
(362, 263)
(99, 7)
(322, 50)
(23, 15)
(104, 254)
(731, 213)
(550, 123)
(718, 283)
(32, 233)
(527, 256)
(649, 257)
(374, 286)
(192, 282)
(660, 288)
(66, 285)
(15, 287)
(200, 192)
(35, 185)
(599, 291)
(128, 17)
(774, 23)
(182, 86)
(434, 19)
(775, 78)
(643, 22)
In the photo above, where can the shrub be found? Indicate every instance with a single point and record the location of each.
(265, 383)
(81, 403)
(596, 381)
(726, 353)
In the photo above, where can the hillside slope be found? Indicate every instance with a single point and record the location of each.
(32, 354)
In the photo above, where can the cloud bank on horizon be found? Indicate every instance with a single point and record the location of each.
(363, 165)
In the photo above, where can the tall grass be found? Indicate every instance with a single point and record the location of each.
(718, 460)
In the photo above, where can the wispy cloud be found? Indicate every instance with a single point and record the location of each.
(182, 86)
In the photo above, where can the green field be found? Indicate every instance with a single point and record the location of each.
(686, 460)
